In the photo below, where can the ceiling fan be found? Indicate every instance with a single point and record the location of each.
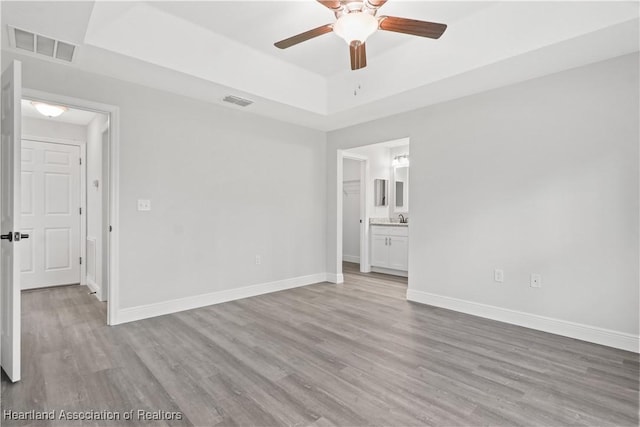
(356, 20)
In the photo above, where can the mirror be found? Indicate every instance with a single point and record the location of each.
(381, 191)
(399, 194)
(401, 189)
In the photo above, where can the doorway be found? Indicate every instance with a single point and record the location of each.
(12, 233)
(14, 236)
(374, 181)
(354, 216)
(65, 196)
(351, 206)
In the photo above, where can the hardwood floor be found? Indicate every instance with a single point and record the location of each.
(354, 354)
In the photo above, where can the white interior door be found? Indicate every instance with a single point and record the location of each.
(10, 220)
(50, 214)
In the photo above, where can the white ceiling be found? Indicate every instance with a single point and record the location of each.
(211, 49)
(72, 115)
(259, 24)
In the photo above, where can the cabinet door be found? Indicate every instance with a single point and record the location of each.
(379, 251)
(399, 253)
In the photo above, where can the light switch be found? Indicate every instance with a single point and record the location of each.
(144, 205)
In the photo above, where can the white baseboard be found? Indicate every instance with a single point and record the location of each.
(390, 271)
(167, 307)
(351, 258)
(565, 328)
(335, 278)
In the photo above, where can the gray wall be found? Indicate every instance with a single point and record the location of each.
(224, 185)
(538, 177)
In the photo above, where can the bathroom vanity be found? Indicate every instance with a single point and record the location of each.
(390, 248)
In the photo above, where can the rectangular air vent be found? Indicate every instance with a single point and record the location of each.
(237, 100)
(41, 45)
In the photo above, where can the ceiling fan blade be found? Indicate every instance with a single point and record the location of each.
(375, 4)
(302, 37)
(414, 27)
(331, 4)
(358, 55)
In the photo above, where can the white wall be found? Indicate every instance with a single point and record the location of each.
(351, 210)
(225, 186)
(351, 170)
(53, 129)
(94, 205)
(538, 177)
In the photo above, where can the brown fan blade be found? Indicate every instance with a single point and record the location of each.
(358, 55)
(302, 37)
(414, 27)
(331, 4)
(375, 4)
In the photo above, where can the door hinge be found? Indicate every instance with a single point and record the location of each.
(80, 260)
(80, 211)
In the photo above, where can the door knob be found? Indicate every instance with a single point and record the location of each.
(17, 236)
(8, 236)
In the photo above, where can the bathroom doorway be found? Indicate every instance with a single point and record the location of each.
(373, 209)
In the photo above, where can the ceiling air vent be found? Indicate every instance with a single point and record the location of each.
(237, 100)
(41, 45)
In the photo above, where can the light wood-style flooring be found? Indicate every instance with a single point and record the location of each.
(354, 354)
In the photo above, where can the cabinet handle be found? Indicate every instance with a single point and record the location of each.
(389, 241)
(386, 239)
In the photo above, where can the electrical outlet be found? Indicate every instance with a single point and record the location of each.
(536, 280)
(144, 205)
(498, 275)
(258, 260)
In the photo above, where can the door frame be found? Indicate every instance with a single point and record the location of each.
(113, 112)
(365, 264)
(83, 192)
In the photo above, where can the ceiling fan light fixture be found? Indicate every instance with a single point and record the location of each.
(49, 110)
(355, 26)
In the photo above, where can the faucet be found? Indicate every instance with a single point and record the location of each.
(402, 220)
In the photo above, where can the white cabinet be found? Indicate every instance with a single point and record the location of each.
(379, 251)
(390, 247)
(399, 252)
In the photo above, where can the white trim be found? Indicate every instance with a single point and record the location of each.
(83, 193)
(565, 328)
(351, 258)
(114, 177)
(188, 303)
(390, 271)
(335, 278)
